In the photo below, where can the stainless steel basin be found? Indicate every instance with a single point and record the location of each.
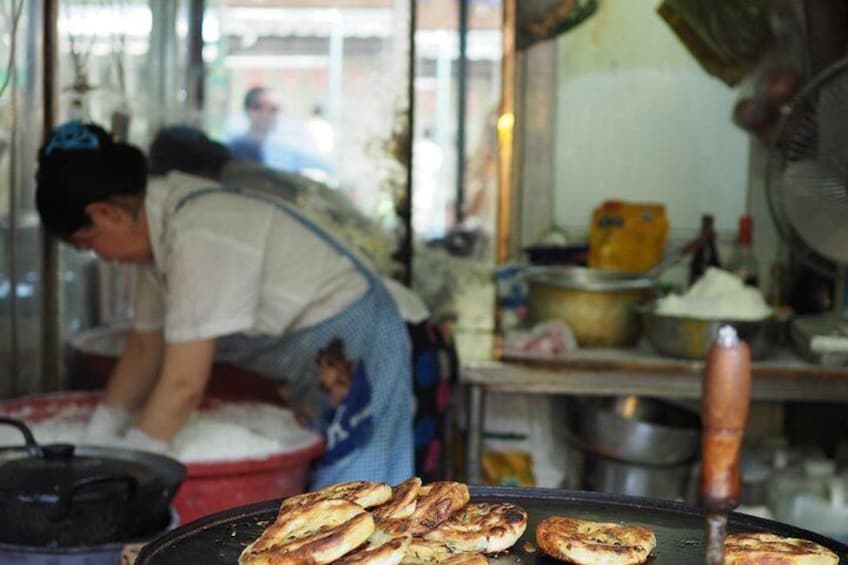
(602, 474)
(690, 338)
(632, 445)
(635, 429)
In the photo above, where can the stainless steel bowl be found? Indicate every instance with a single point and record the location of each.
(690, 338)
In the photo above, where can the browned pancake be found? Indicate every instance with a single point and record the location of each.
(390, 553)
(401, 504)
(317, 533)
(482, 527)
(437, 504)
(769, 549)
(594, 543)
(430, 551)
(467, 559)
(441, 500)
(365, 494)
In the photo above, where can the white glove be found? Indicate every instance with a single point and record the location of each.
(137, 439)
(107, 423)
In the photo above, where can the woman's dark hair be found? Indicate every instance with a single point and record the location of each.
(186, 149)
(80, 164)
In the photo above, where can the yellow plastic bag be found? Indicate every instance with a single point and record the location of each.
(508, 468)
(627, 237)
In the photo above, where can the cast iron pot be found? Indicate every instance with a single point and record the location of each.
(61, 495)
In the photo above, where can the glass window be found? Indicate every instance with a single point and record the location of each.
(20, 131)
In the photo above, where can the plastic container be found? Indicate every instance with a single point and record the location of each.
(811, 495)
(212, 487)
(827, 515)
(812, 477)
(209, 487)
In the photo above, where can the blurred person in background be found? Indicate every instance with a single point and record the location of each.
(321, 130)
(429, 196)
(261, 142)
(261, 107)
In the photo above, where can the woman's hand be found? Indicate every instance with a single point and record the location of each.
(106, 424)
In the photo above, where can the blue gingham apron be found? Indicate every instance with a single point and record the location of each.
(371, 438)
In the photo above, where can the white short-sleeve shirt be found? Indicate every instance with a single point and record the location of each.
(225, 263)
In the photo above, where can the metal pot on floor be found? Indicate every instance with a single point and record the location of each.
(62, 503)
(632, 445)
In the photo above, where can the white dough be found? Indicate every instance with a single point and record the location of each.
(244, 430)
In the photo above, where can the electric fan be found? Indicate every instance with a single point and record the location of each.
(807, 190)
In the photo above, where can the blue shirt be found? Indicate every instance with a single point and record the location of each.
(247, 148)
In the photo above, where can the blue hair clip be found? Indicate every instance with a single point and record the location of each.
(72, 136)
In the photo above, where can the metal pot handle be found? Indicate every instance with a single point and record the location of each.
(32, 447)
(65, 501)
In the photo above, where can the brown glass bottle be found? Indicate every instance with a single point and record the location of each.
(707, 254)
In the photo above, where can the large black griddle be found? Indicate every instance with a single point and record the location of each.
(219, 539)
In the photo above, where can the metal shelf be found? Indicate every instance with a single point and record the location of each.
(784, 376)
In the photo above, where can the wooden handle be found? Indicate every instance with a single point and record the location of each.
(725, 397)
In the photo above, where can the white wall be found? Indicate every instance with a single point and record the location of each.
(639, 119)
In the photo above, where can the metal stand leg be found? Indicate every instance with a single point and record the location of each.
(474, 442)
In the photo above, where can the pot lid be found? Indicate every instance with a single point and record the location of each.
(59, 469)
(56, 477)
(581, 278)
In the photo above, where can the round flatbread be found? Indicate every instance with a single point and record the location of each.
(436, 503)
(401, 504)
(759, 548)
(430, 551)
(482, 527)
(594, 543)
(320, 532)
(390, 529)
(364, 493)
(390, 553)
(441, 500)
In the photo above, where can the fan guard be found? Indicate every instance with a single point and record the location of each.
(807, 172)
